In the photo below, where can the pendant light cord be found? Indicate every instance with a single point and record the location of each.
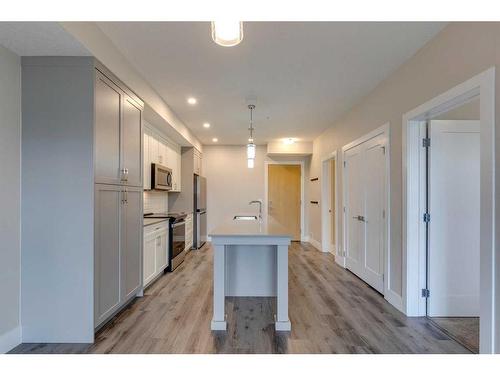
(251, 107)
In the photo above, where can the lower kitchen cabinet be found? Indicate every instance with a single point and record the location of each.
(156, 242)
(117, 250)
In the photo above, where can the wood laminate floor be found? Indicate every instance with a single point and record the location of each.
(464, 330)
(331, 310)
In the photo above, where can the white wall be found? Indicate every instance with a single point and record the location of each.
(231, 185)
(10, 204)
(458, 53)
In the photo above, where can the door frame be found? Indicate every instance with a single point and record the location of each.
(385, 131)
(303, 236)
(326, 222)
(413, 194)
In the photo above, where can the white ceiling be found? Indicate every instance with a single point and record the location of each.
(39, 39)
(304, 75)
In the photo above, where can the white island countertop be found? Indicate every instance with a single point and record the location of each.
(267, 227)
(251, 260)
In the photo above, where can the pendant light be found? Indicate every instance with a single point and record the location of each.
(227, 33)
(251, 145)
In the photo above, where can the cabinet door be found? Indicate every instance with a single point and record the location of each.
(108, 102)
(131, 142)
(161, 251)
(108, 200)
(146, 170)
(131, 247)
(154, 151)
(178, 172)
(149, 259)
(163, 153)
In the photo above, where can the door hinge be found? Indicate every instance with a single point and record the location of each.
(383, 150)
(426, 293)
(345, 163)
(383, 277)
(427, 217)
(383, 214)
(426, 142)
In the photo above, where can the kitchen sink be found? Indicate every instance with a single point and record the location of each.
(245, 217)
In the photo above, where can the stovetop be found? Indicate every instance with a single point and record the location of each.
(168, 215)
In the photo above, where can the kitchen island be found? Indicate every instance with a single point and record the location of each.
(250, 260)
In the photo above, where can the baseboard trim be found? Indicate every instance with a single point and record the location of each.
(394, 299)
(315, 244)
(9, 340)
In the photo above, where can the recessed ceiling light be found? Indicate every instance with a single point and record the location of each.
(215, 140)
(191, 101)
(206, 125)
(289, 141)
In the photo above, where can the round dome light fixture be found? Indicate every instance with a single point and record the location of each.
(227, 33)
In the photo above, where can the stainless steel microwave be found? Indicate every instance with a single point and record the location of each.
(161, 177)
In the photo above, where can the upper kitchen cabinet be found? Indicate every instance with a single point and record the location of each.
(108, 103)
(197, 162)
(118, 133)
(190, 158)
(132, 142)
(159, 149)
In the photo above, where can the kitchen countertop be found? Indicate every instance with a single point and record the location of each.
(151, 221)
(267, 227)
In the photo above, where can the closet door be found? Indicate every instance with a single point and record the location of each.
(374, 215)
(365, 197)
(354, 195)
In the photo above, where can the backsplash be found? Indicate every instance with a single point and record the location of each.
(155, 201)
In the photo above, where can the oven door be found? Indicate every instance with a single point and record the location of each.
(178, 238)
(161, 177)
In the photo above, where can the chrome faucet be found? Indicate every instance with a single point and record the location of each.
(260, 207)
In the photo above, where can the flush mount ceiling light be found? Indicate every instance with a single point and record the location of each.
(227, 33)
(289, 141)
(251, 145)
(192, 101)
(206, 125)
(215, 140)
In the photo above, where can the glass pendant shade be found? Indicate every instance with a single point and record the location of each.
(251, 163)
(250, 151)
(227, 33)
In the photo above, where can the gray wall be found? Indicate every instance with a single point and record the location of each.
(459, 52)
(57, 200)
(10, 209)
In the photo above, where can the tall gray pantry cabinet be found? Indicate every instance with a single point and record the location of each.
(82, 197)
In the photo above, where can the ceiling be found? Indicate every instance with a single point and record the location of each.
(303, 75)
(39, 39)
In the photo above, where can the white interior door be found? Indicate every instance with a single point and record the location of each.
(365, 190)
(454, 196)
(354, 195)
(374, 217)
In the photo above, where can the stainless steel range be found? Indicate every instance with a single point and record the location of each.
(177, 236)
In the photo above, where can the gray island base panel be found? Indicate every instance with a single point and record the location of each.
(251, 260)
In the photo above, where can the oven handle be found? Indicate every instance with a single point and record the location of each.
(178, 223)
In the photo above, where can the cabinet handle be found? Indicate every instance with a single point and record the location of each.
(124, 174)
